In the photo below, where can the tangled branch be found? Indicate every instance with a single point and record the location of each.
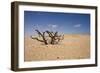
(55, 38)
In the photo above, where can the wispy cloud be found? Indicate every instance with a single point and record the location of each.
(77, 25)
(52, 25)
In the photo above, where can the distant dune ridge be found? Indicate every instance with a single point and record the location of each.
(74, 46)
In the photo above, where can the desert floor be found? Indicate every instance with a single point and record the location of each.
(72, 47)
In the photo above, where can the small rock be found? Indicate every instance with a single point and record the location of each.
(58, 57)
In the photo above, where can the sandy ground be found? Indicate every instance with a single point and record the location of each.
(72, 47)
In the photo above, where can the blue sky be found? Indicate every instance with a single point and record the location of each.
(67, 23)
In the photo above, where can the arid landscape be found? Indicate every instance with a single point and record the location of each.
(73, 46)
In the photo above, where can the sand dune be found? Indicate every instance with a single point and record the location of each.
(72, 47)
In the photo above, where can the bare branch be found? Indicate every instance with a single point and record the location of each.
(55, 38)
(37, 39)
(43, 37)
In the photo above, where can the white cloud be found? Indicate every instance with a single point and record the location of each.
(52, 26)
(77, 25)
